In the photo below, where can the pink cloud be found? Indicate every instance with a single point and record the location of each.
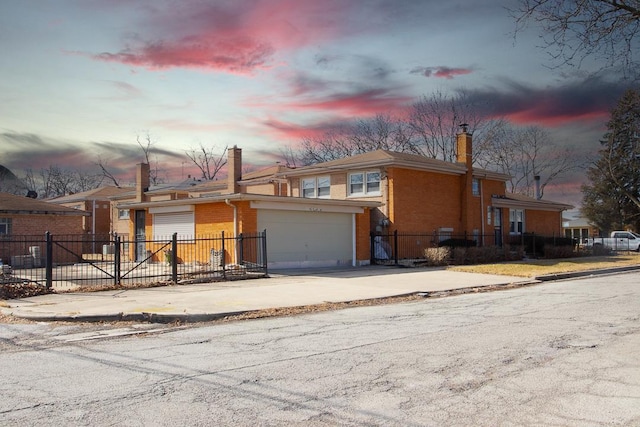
(441, 71)
(546, 118)
(365, 103)
(239, 38)
(295, 132)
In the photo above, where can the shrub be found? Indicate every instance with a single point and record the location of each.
(485, 254)
(514, 252)
(600, 250)
(459, 255)
(536, 245)
(457, 243)
(551, 251)
(437, 256)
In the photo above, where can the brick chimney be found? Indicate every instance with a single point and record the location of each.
(465, 156)
(142, 181)
(234, 168)
(464, 147)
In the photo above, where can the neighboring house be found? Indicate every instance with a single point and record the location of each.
(24, 221)
(300, 232)
(24, 216)
(97, 204)
(428, 195)
(579, 228)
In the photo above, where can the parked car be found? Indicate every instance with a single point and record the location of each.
(619, 241)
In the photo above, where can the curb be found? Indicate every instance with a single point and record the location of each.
(167, 318)
(128, 317)
(587, 273)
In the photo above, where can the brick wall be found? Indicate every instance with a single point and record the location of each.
(30, 225)
(547, 223)
(363, 246)
(423, 201)
(33, 228)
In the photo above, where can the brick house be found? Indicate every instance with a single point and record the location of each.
(323, 214)
(23, 218)
(301, 232)
(579, 228)
(422, 194)
(97, 204)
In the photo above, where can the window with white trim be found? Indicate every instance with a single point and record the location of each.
(516, 221)
(319, 187)
(364, 183)
(5, 225)
(324, 186)
(475, 187)
(309, 188)
(123, 213)
(444, 233)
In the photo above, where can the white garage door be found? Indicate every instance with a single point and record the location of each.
(307, 239)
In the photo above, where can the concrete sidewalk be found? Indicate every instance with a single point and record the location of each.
(208, 301)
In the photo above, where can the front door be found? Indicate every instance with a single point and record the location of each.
(497, 222)
(141, 249)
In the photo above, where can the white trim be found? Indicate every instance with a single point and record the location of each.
(171, 209)
(353, 240)
(365, 174)
(309, 207)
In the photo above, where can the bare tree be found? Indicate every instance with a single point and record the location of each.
(56, 181)
(289, 155)
(88, 180)
(208, 160)
(106, 173)
(576, 29)
(436, 120)
(524, 153)
(380, 132)
(9, 183)
(146, 144)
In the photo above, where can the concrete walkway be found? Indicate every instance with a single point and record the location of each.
(291, 288)
(207, 301)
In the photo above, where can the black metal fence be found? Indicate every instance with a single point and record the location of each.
(395, 246)
(88, 260)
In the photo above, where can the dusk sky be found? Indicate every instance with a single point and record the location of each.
(82, 78)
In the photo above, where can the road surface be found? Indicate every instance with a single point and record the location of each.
(564, 353)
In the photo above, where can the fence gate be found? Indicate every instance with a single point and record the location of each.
(88, 260)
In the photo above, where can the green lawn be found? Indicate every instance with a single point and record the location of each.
(538, 267)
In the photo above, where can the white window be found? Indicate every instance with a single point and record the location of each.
(324, 186)
(309, 187)
(497, 217)
(5, 225)
(123, 213)
(373, 182)
(516, 221)
(475, 187)
(476, 235)
(444, 233)
(165, 224)
(364, 183)
(316, 187)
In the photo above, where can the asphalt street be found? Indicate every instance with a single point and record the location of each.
(559, 353)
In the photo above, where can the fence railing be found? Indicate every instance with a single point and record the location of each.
(86, 260)
(395, 246)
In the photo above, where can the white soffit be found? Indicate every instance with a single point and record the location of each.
(171, 209)
(306, 207)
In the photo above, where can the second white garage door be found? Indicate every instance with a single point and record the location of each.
(307, 239)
